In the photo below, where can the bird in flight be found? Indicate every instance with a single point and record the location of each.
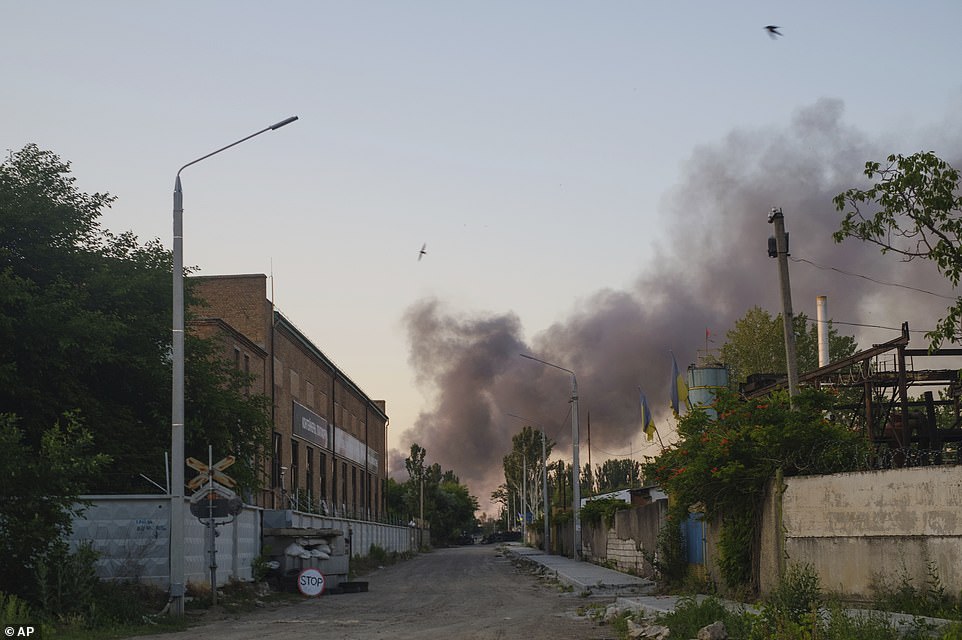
(773, 31)
(423, 252)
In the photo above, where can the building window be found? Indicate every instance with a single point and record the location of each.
(372, 494)
(247, 375)
(309, 480)
(343, 483)
(294, 467)
(309, 393)
(237, 360)
(277, 453)
(322, 460)
(295, 384)
(354, 504)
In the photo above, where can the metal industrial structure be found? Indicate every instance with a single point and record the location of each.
(889, 418)
(704, 380)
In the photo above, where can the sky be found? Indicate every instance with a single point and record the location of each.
(591, 180)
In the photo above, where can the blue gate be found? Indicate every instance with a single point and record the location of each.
(693, 533)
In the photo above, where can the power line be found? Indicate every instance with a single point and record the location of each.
(870, 326)
(628, 455)
(858, 275)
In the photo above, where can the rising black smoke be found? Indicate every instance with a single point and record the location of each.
(618, 341)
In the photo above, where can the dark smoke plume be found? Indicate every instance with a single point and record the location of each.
(619, 341)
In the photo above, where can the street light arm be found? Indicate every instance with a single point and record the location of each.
(276, 125)
(176, 491)
(550, 364)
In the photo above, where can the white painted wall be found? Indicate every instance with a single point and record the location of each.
(857, 529)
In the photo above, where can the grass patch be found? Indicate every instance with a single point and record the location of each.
(928, 599)
(376, 558)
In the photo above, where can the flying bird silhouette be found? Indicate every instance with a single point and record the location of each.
(773, 31)
(423, 252)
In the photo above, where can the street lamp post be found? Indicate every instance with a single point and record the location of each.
(575, 464)
(176, 489)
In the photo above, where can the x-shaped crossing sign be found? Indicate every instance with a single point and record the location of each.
(205, 473)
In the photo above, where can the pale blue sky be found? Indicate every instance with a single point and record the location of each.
(531, 145)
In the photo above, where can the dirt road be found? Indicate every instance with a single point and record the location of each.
(448, 594)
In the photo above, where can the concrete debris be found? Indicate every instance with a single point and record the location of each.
(714, 631)
(647, 631)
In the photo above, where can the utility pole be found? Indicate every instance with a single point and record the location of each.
(544, 492)
(524, 497)
(780, 251)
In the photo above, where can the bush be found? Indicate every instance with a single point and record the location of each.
(669, 561)
(67, 583)
(929, 599)
(595, 510)
(13, 610)
(797, 594)
(691, 614)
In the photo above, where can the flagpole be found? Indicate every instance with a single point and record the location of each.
(644, 426)
(660, 442)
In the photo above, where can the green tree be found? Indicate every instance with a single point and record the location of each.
(586, 480)
(85, 320)
(756, 344)
(39, 487)
(560, 485)
(523, 465)
(448, 506)
(394, 500)
(913, 210)
(414, 487)
(616, 474)
(723, 465)
(453, 514)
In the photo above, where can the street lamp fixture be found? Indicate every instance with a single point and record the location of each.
(575, 464)
(176, 489)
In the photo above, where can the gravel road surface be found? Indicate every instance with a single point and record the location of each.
(471, 592)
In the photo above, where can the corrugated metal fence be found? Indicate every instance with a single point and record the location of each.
(131, 535)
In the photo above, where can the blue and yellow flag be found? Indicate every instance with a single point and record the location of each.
(647, 420)
(679, 387)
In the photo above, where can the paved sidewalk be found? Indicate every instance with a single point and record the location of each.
(582, 576)
(636, 593)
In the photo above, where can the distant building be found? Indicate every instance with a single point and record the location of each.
(636, 497)
(329, 440)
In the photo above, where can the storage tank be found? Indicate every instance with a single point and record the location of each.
(703, 383)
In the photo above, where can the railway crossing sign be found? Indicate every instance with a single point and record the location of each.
(213, 497)
(219, 502)
(206, 471)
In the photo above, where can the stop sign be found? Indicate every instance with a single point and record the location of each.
(310, 582)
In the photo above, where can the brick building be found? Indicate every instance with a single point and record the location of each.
(329, 441)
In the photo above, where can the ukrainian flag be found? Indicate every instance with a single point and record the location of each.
(647, 420)
(679, 387)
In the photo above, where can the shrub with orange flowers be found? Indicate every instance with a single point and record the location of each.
(724, 464)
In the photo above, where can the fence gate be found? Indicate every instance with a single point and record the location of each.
(693, 533)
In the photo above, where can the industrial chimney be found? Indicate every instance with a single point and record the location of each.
(821, 315)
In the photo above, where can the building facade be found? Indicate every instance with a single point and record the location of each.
(328, 449)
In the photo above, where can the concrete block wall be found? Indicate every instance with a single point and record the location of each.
(131, 533)
(857, 529)
(132, 537)
(635, 532)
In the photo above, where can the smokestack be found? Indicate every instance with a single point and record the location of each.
(821, 315)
